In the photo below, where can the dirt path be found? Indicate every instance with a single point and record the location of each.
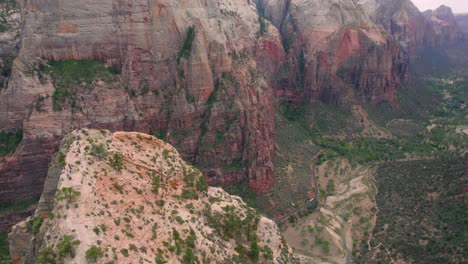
(354, 187)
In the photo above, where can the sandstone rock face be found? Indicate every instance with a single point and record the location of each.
(462, 21)
(445, 25)
(149, 204)
(205, 75)
(9, 28)
(210, 96)
(336, 52)
(402, 19)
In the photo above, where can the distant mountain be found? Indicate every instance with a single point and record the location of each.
(444, 24)
(462, 20)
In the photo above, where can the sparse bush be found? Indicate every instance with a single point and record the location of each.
(254, 251)
(159, 260)
(93, 254)
(202, 185)
(155, 184)
(116, 162)
(189, 256)
(124, 252)
(166, 153)
(99, 151)
(36, 224)
(47, 256)
(67, 193)
(66, 247)
(70, 77)
(118, 187)
(268, 253)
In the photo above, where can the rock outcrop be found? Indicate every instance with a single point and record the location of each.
(445, 25)
(403, 20)
(336, 52)
(128, 198)
(462, 21)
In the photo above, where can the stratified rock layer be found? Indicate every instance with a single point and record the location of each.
(205, 75)
(209, 95)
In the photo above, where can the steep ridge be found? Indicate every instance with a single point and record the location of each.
(130, 198)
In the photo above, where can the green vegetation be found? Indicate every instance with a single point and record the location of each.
(156, 184)
(263, 29)
(36, 224)
(18, 206)
(324, 243)
(99, 151)
(5, 70)
(116, 162)
(72, 78)
(61, 159)
(9, 141)
(4, 253)
(93, 254)
(229, 225)
(47, 256)
(422, 216)
(368, 150)
(189, 257)
(186, 49)
(7, 7)
(202, 185)
(67, 193)
(159, 260)
(66, 247)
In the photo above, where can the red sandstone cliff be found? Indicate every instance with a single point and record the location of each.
(445, 25)
(336, 53)
(213, 100)
(212, 96)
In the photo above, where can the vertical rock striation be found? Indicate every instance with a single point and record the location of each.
(206, 75)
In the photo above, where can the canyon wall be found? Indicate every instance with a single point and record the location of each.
(462, 21)
(205, 75)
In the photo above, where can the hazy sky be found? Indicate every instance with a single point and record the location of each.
(458, 6)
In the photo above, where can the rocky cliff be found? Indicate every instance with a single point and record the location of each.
(129, 198)
(403, 20)
(336, 53)
(207, 76)
(445, 25)
(194, 72)
(462, 21)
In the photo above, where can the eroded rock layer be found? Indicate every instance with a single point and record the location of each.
(205, 75)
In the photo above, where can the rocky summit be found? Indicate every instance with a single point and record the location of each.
(130, 198)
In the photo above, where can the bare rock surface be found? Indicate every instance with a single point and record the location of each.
(146, 204)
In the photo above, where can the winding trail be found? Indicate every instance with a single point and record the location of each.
(310, 202)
